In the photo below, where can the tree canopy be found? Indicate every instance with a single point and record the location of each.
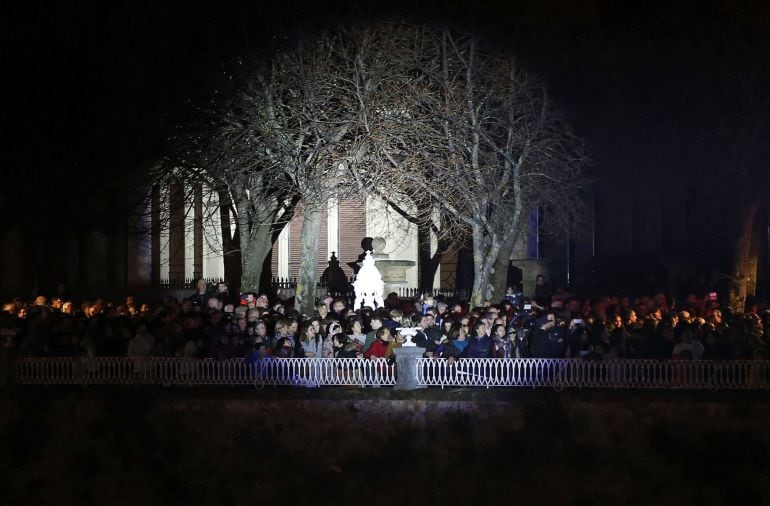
(428, 117)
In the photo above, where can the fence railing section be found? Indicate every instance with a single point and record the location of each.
(316, 372)
(309, 372)
(576, 373)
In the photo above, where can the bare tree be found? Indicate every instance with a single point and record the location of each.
(269, 145)
(475, 137)
(229, 149)
(464, 142)
(322, 124)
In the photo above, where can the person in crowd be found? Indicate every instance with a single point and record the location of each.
(375, 324)
(310, 342)
(500, 341)
(340, 308)
(201, 296)
(356, 334)
(611, 327)
(261, 301)
(442, 312)
(429, 335)
(480, 344)
(259, 360)
(459, 336)
(547, 339)
(379, 348)
(222, 292)
(343, 347)
(254, 334)
(543, 291)
(578, 341)
(284, 329)
(688, 347)
(284, 348)
(446, 327)
(322, 311)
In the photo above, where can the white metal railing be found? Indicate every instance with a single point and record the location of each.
(577, 373)
(466, 372)
(185, 371)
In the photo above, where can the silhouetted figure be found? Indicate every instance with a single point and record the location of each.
(335, 277)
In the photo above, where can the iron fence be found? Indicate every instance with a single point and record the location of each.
(286, 288)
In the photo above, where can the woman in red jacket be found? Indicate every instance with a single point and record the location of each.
(379, 347)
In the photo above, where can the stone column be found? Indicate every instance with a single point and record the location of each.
(198, 232)
(406, 364)
(155, 245)
(176, 237)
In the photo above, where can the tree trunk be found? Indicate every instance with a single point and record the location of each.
(498, 278)
(231, 251)
(256, 242)
(308, 267)
(485, 254)
(424, 259)
(253, 256)
(742, 271)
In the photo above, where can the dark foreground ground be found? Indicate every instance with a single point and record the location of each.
(138, 445)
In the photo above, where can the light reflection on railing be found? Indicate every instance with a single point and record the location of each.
(466, 372)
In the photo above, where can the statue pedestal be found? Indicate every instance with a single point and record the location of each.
(406, 364)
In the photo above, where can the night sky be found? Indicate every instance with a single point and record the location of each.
(665, 94)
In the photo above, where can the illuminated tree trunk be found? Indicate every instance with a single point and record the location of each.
(744, 269)
(256, 241)
(499, 277)
(253, 256)
(486, 251)
(308, 267)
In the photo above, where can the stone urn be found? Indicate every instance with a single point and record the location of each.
(393, 271)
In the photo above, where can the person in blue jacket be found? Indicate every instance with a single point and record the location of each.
(480, 345)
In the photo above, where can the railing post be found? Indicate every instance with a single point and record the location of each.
(406, 364)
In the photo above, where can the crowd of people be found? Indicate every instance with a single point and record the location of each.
(212, 323)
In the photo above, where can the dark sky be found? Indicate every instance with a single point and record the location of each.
(90, 77)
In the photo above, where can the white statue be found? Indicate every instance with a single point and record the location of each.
(368, 285)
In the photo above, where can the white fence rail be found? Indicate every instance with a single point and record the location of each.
(309, 372)
(315, 372)
(577, 373)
